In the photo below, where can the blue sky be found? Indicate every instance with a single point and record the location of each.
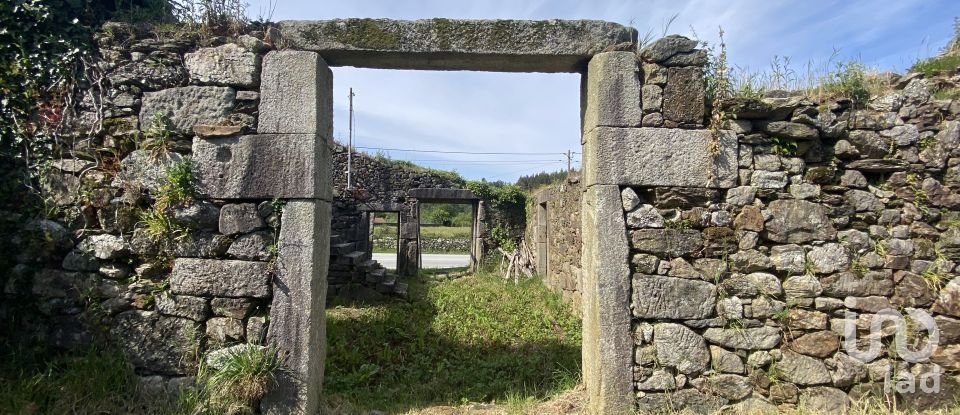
(500, 112)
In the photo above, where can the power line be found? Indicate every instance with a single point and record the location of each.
(511, 163)
(479, 160)
(462, 152)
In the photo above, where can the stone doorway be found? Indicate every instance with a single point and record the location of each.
(296, 105)
(451, 196)
(384, 235)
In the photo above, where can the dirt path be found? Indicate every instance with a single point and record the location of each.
(567, 403)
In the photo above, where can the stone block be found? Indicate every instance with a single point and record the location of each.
(451, 44)
(194, 308)
(297, 322)
(263, 167)
(803, 370)
(188, 106)
(679, 347)
(607, 342)
(254, 246)
(667, 242)
(145, 169)
(158, 344)
(239, 218)
(237, 308)
(612, 92)
(683, 97)
(296, 94)
(228, 65)
(220, 278)
(224, 330)
(798, 221)
(410, 230)
(749, 338)
(660, 157)
(666, 47)
(672, 298)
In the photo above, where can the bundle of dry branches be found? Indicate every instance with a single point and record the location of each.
(516, 262)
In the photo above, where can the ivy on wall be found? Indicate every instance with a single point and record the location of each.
(510, 205)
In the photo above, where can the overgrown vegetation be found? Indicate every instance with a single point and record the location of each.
(829, 79)
(476, 339)
(35, 381)
(409, 165)
(446, 214)
(235, 386)
(101, 381)
(947, 62)
(178, 188)
(502, 197)
(718, 88)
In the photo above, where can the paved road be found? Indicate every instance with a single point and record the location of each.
(389, 261)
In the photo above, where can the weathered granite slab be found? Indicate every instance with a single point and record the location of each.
(448, 44)
(660, 157)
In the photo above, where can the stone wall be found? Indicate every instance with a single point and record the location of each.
(748, 247)
(559, 236)
(457, 245)
(385, 185)
(95, 270)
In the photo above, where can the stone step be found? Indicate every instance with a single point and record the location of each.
(341, 248)
(370, 265)
(388, 284)
(336, 239)
(357, 257)
(376, 276)
(400, 289)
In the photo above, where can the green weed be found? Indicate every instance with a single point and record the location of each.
(783, 147)
(474, 339)
(158, 137)
(179, 187)
(679, 224)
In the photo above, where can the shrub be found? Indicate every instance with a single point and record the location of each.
(850, 82)
(503, 238)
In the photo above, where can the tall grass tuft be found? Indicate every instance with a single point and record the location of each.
(237, 383)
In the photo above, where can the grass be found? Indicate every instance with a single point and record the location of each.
(944, 64)
(100, 381)
(475, 339)
(824, 80)
(236, 386)
(384, 158)
(34, 381)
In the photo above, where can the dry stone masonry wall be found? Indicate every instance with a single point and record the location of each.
(558, 238)
(716, 268)
(169, 268)
(747, 248)
(161, 299)
(382, 185)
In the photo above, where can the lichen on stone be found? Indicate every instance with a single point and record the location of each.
(362, 34)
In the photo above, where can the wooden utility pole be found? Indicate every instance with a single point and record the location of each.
(350, 145)
(569, 162)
